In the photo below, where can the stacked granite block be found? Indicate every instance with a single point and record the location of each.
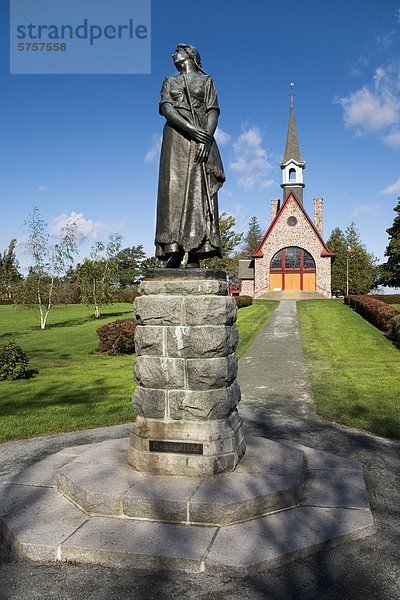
(187, 421)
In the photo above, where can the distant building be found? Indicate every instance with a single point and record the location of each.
(292, 255)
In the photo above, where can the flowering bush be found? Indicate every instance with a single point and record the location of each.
(117, 337)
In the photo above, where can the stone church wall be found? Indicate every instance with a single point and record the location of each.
(283, 235)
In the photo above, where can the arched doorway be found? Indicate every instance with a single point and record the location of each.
(292, 268)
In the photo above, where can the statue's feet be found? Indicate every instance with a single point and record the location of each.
(174, 261)
(193, 261)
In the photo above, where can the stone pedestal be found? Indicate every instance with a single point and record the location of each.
(187, 421)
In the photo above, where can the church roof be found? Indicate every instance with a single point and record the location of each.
(292, 149)
(246, 269)
(324, 249)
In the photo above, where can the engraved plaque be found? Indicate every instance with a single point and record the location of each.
(175, 447)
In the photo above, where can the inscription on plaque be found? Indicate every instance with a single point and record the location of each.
(175, 447)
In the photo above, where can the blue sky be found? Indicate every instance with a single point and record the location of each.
(88, 144)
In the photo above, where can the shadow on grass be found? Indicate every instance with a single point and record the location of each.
(361, 417)
(66, 408)
(80, 321)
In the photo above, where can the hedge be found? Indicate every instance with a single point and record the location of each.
(387, 298)
(382, 315)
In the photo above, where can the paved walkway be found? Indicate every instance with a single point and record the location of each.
(276, 403)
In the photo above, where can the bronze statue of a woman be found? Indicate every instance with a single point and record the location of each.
(191, 171)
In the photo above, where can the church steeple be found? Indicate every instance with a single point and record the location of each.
(292, 164)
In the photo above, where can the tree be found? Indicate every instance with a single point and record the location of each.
(390, 270)
(252, 238)
(9, 274)
(361, 263)
(337, 244)
(230, 240)
(129, 264)
(98, 275)
(151, 262)
(51, 255)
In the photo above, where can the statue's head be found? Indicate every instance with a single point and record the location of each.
(193, 54)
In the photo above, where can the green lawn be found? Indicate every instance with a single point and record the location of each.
(75, 387)
(354, 369)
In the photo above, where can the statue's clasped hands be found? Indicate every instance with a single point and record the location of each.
(204, 141)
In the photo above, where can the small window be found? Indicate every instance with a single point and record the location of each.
(292, 221)
(292, 174)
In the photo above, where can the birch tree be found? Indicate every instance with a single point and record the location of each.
(51, 256)
(98, 275)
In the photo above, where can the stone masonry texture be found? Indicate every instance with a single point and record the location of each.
(186, 365)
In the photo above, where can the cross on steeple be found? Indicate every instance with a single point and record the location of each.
(291, 95)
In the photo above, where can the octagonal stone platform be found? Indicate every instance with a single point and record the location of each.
(270, 477)
(326, 506)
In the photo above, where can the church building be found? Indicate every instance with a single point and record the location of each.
(292, 255)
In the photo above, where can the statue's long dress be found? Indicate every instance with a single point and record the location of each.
(183, 210)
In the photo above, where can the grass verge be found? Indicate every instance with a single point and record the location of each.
(75, 387)
(354, 369)
(251, 319)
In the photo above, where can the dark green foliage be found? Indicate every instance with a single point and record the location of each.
(117, 337)
(252, 238)
(376, 312)
(242, 301)
(229, 240)
(9, 274)
(13, 363)
(129, 265)
(151, 263)
(390, 270)
(362, 264)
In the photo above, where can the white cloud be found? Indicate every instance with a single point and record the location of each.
(85, 228)
(153, 154)
(42, 188)
(365, 209)
(375, 108)
(398, 15)
(392, 139)
(251, 163)
(366, 111)
(221, 137)
(393, 188)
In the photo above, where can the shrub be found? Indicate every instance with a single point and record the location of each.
(67, 293)
(242, 301)
(13, 362)
(375, 311)
(395, 331)
(127, 294)
(117, 337)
